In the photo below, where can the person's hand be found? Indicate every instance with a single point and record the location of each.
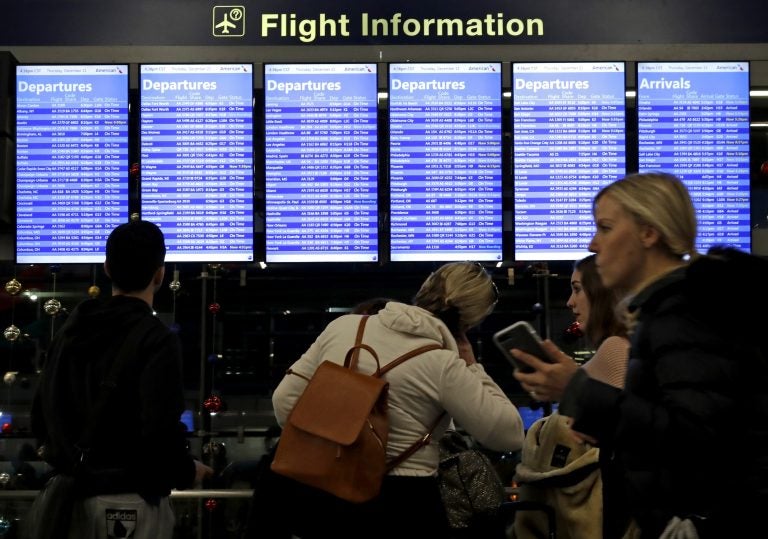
(548, 381)
(580, 437)
(465, 349)
(201, 472)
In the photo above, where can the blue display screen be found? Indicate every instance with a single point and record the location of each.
(321, 162)
(445, 170)
(197, 159)
(693, 121)
(71, 161)
(569, 141)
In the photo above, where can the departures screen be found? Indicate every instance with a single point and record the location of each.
(568, 142)
(71, 161)
(320, 134)
(693, 121)
(196, 133)
(445, 159)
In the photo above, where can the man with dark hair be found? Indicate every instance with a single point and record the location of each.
(128, 456)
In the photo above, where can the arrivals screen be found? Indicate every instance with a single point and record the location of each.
(197, 159)
(71, 161)
(693, 121)
(445, 161)
(321, 162)
(569, 141)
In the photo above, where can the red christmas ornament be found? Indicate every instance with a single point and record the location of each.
(214, 308)
(213, 404)
(134, 170)
(764, 168)
(211, 505)
(574, 330)
(7, 428)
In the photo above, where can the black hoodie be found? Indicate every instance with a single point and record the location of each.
(140, 445)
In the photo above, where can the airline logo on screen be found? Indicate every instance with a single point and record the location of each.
(228, 21)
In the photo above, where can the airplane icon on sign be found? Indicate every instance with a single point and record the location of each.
(228, 21)
(225, 25)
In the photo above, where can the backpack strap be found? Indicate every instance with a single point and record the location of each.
(424, 440)
(358, 342)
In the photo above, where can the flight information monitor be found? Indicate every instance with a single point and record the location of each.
(71, 161)
(568, 142)
(445, 161)
(321, 162)
(197, 159)
(693, 121)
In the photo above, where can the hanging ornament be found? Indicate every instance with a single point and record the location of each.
(213, 404)
(214, 308)
(135, 217)
(4, 478)
(574, 330)
(7, 428)
(52, 307)
(211, 504)
(134, 170)
(94, 291)
(9, 378)
(11, 333)
(13, 287)
(174, 285)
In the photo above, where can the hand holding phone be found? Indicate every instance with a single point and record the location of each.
(523, 336)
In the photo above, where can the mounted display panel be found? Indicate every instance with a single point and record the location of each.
(71, 161)
(445, 160)
(321, 162)
(196, 145)
(568, 138)
(693, 121)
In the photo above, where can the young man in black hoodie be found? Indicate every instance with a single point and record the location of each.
(127, 457)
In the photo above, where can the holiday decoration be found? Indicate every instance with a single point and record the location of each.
(174, 286)
(4, 478)
(134, 170)
(13, 287)
(213, 404)
(214, 308)
(94, 291)
(10, 378)
(574, 330)
(7, 428)
(135, 217)
(11, 333)
(211, 504)
(52, 307)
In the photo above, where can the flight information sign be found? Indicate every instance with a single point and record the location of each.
(693, 121)
(321, 162)
(568, 141)
(71, 161)
(196, 145)
(445, 168)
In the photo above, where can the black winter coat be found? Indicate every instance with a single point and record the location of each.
(688, 436)
(141, 446)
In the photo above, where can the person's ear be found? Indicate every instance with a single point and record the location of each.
(649, 236)
(159, 276)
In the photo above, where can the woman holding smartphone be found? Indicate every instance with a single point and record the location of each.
(696, 391)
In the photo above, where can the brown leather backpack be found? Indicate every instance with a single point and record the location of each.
(335, 438)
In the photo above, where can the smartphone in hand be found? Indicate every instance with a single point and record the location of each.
(523, 336)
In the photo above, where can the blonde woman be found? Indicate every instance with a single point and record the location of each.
(696, 394)
(453, 299)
